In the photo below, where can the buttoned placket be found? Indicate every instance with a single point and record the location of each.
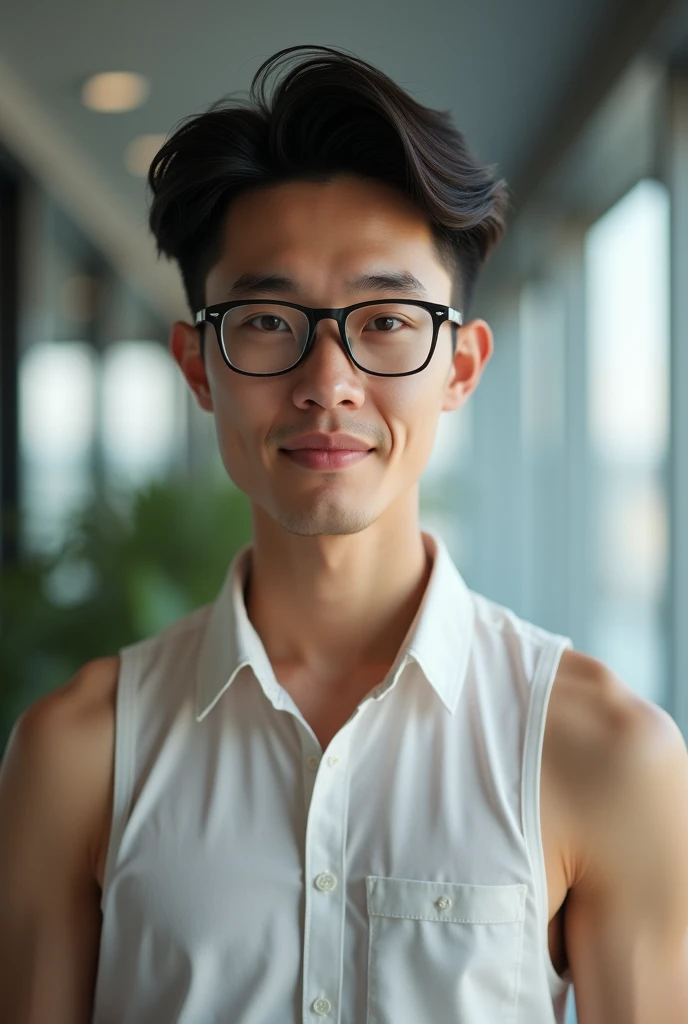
(326, 793)
(327, 799)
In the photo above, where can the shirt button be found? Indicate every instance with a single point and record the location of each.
(443, 903)
(326, 882)
(322, 1007)
(313, 761)
(332, 760)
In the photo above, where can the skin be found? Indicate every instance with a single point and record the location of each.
(332, 600)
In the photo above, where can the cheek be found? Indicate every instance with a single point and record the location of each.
(236, 432)
(413, 406)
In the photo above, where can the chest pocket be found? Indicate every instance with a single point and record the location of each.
(445, 952)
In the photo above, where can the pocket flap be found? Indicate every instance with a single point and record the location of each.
(458, 902)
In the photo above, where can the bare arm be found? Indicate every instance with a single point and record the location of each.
(54, 795)
(627, 920)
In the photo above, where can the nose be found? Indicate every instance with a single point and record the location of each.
(327, 376)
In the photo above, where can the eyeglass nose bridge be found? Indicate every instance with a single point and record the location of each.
(338, 314)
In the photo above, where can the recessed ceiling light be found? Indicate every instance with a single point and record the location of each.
(115, 91)
(140, 152)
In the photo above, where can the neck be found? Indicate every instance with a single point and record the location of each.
(331, 605)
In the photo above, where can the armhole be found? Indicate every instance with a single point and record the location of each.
(541, 689)
(123, 773)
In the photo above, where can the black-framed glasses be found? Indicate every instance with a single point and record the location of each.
(263, 338)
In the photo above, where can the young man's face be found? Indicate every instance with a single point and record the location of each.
(320, 235)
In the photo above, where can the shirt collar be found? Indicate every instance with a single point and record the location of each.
(438, 640)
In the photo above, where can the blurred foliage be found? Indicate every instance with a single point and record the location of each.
(121, 574)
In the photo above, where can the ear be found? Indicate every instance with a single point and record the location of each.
(473, 349)
(185, 346)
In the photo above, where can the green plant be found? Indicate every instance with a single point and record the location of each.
(120, 575)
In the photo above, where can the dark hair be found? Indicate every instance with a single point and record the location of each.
(332, 114)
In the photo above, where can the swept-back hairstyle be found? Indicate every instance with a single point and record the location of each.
(332, 114)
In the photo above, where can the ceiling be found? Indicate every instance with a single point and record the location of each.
(516, 76)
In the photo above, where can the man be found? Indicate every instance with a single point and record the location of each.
(350, 789)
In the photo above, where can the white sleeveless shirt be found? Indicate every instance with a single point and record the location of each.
(397, 877)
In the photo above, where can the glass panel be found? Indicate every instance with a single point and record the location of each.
(57, 414)
(627, 282)
(57, 378)
(143, 413)
(543, 454)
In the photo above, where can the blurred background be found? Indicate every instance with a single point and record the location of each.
(561, 489)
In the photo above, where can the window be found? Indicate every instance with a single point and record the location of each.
(143, 413)
(57, 417)
(627, 327)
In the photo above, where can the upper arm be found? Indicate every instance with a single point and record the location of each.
(53, 784)
(626, 923)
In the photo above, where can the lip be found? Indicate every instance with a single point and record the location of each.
(327, 459)
(328, 442)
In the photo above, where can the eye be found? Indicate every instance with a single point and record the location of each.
(376, 319)
(267, 316)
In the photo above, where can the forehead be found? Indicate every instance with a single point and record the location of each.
(324, 232)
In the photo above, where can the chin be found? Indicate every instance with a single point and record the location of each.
(330, 522)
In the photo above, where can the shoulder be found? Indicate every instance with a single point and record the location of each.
(70, 713)
(594, 715)
(57, 768)
(608, 754)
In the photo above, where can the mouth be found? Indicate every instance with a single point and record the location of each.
(325, 458)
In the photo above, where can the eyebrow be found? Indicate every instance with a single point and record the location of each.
(383, 280)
